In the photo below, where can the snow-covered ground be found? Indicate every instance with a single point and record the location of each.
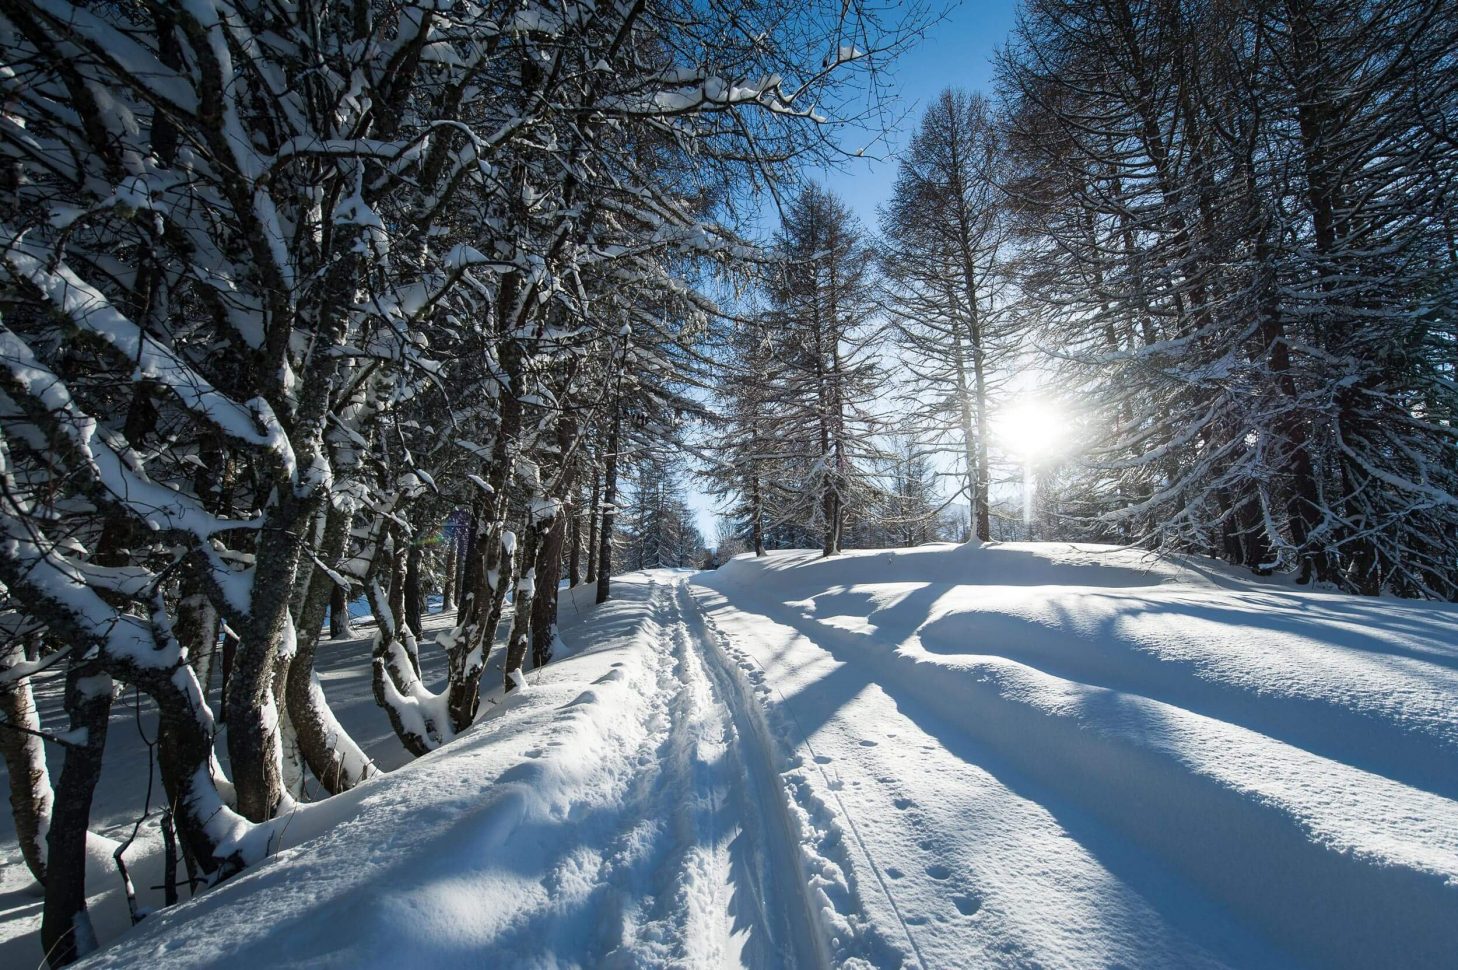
(127, 770)
(1086, 757)
(1015, 755)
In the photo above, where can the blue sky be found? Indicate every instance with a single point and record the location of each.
(957, 51)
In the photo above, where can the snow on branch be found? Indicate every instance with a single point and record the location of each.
(93, 314)
(77, 438)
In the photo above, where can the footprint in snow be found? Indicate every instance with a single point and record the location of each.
(967, 905)
(867, 743)
(903, 803)
(823, 759)
(533, 752)
(894, 872)
(938, 871)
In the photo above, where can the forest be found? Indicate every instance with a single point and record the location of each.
(452, 306)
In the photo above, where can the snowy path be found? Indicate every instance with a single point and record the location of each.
(943, 757)
(702, 873)
(624, 811)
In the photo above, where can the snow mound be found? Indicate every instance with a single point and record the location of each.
(1215, 768)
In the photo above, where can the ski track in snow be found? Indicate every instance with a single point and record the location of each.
(1000, 811)
(624, 811)
(965, 870)
(947, 758)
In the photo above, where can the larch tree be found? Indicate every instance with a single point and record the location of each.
(1236, 246)
(826, 374)
(945, 257)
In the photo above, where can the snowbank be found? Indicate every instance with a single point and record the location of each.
(1002, 756)
(1286, 756)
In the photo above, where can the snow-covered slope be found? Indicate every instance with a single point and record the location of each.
(616, 813)
(1088, 757)
(1014, 755)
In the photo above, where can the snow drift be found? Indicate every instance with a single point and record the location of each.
(1265, 774)
(1012, 755)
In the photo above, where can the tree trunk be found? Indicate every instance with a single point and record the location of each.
(339, 626)
(292, 761)
(969, 432)
(66, 933)
(31, 798)
(519, 639)
(984, 479)
(197, 628)
(399, 610)
(253, 748)
(981, 501)
(609, 497)
(756, 516)
(489, 572)
(448, 585)
(544, 602)
(574, 547)
(414, 602)
(395, 675)
(465, 555)
(333, 757)
(593, 514)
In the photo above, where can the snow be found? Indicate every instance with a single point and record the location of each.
(463, 256)
(1006, 755)
(253, 423)
(1118, 759)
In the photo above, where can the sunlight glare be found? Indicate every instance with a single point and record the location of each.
(1032, 429)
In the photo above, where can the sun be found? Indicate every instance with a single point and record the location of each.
(1031, 429)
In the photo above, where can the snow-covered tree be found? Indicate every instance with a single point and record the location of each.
(289, 286)
(1237, 244)
(945, 257)
(825, 374)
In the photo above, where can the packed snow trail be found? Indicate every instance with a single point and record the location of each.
(620, 812)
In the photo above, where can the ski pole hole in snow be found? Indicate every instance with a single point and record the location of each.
(967, 905)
